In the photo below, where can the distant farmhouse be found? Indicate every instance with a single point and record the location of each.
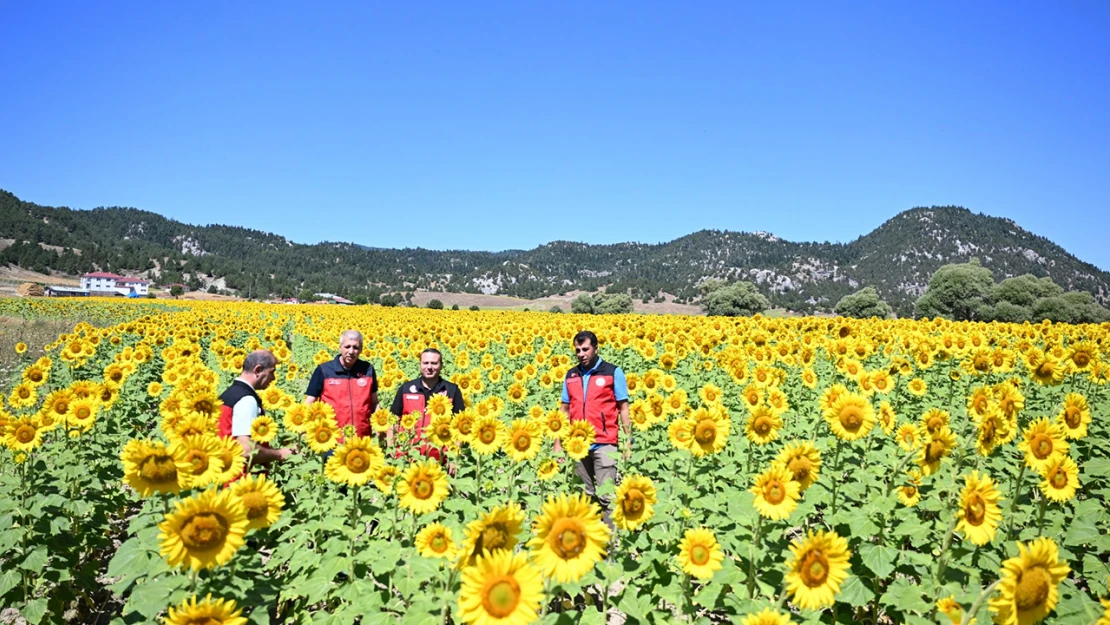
(102, 283)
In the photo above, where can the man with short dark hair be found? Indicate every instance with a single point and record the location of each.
(241, 406)
(597, 392)
(347, 384)
(413, 396)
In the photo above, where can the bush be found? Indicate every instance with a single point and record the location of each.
(555, 309)
(956, 291)
(435, 304)
(734, 300)
(863, 304)
(474, 307)
(454, 307)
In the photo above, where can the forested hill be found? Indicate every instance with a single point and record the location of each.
(897, 258)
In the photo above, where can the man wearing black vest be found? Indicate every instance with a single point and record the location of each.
(241, 406)
(413, 396)
(596, 391)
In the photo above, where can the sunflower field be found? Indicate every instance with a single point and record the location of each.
(807, 470)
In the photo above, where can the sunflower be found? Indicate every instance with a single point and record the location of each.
(993, 430)
(954, 611)
(261, 499)
(204, 456)
(423, 486)
(355, 462)
(1061, 479)
(523, 441)
(817, 568)
(851, 416)
(234, 462)
(711, 430)
(555, 424)
(978, 515)
(434, 541)
(439, 431)
(1030, 584)
(907, 437)
(208, 611)
(1042, 441)
(463, 425)
(917, 387)
(634, 502)
(488, 435)
(803, 461)
(263, 429)
(569, 537)
(934, 448)
(151, 467)
(1009, 399)
(710, 393)
(763, 425)
(296, 418)
(1045, 369)
(322, 434)
(909, 493)
(56, 405)
(768, 616)
(203, 531)
(547, 470)
(36, 374)
(1074, 416)
(699, 554)
(776, 492)
(24, 395)
(502, 588)
(21, 348)
(408, 421)
(22, 434)
(385, 477)
(935, 419)
(496, 530)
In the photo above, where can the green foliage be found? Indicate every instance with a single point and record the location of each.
(176, 290)
(956, 291)
(601, 304)
(863, 304)
(435, 304)
(735, 300)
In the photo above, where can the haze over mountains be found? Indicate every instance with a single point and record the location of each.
(897, 258)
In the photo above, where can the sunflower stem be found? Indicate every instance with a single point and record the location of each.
(754, 552)
(942, 557)
(1040, 515)
(969, 616)
(836, 475)
(477, 478)
(1013, 498)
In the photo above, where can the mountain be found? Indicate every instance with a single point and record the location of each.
(897, 259)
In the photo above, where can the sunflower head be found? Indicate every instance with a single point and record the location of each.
(569, 537)
(208, 610)
(501, 587)
(776, 492)
(1029, 587)
(699, 554)
(634, 502)
(262, 501)
(496, 530)
(817, 568)
(355, 462)
(434, 541)
(203, 531)
(851, 416)
(423, 486)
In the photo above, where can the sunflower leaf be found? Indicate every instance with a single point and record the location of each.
(855, 592)
(879, 558)
(1081, 531)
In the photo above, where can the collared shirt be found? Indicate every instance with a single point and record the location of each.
(620, 384)
(443, 387)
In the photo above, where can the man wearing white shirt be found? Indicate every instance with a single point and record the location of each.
(241, 406)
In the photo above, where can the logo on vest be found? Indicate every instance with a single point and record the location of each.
(600, 382)
(412, 389)
(361, 381)
(334, 381)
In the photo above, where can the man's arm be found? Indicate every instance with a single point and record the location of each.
(373, 402)
(262, 455)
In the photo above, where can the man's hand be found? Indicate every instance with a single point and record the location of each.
(558, 449)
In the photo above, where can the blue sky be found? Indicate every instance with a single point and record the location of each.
(508, 125)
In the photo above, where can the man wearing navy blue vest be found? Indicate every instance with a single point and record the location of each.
(596, 391)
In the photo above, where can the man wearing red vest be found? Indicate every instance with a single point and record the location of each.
(413, 396)
(596, 391)
(347, 384)
(241, 406)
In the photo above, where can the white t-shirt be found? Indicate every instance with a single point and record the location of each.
(243, 414)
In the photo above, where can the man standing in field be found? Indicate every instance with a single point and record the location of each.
(413, 396)
(347, 384)
(596, 391)
(241, 406)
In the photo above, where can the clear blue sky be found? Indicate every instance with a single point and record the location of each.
(511, 124)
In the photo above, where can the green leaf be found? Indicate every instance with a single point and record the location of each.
(151, 597)
(904, 595)
(1081, 531)
(879, 558)
(35, 610)
(636, 606)
(130, 560)
(8, 579)
(36, 560)
(855, 592)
